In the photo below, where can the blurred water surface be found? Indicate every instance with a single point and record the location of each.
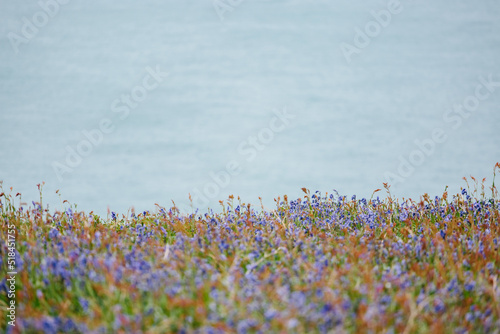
(354, 122)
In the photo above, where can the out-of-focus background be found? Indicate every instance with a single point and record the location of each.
(368, 92)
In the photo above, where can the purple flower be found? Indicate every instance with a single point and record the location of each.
(84, 304)
(270, 314)
(245, 325)
(439, 306)
(49, 325)
(385, 300)
(327, 308)
(470, 286)
(403, 215)
(54, 233)
(346, 304)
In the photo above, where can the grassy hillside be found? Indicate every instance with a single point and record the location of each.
(320, 263)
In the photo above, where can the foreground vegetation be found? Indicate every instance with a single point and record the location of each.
(322, 263)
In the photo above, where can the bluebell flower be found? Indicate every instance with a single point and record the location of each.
(245, 325)
(53, 233)
(385, 300)
(68, 326)
(439, 306)
(84, 304)
(270, 313)
(470, 286)
(403, 215)
(327, 308)
(346, 304)
(49, 325)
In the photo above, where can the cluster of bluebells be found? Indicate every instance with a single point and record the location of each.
(320, 263)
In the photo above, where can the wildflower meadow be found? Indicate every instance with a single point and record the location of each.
(322, 263)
